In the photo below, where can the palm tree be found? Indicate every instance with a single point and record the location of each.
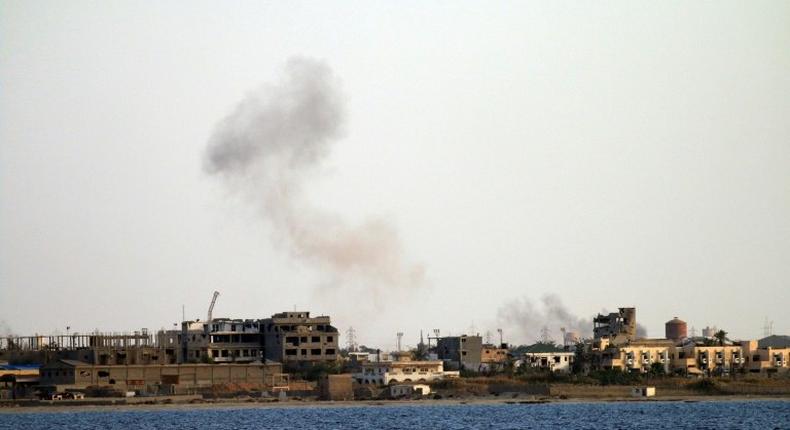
(721, 336)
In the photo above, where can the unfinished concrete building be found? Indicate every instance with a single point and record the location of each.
(619, 327)
(96, 348)
(460, 352)
(155, 378)
(222, 340)
(296, 338)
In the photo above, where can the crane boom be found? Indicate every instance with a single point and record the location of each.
(211, 306)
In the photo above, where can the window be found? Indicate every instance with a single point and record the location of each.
(233, 327)
(315, 339)
(214, 353)
(330, 339)
(304, 352)
(315, 351)
(290, 352)
(303, 339)
(330, 352)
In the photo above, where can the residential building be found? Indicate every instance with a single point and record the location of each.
(460, 352)
(403, 370)
(296, 337)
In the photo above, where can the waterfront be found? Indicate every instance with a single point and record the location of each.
(764, 414)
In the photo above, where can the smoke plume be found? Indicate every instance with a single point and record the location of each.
(5, 329)
(524, 320)
(266, 150)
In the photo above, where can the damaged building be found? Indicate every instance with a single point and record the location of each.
(298, 338)
(619, 327)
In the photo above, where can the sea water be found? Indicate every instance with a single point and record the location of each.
(772, 414)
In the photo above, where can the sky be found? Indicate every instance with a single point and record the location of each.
(521, 155)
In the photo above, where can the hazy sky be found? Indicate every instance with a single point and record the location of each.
(612, 153)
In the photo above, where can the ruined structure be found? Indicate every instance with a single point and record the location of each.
(297, 338)
(619, 327)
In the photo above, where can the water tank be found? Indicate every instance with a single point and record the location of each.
(709, 332)
(676, 329)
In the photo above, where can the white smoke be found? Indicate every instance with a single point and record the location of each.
(266, 149)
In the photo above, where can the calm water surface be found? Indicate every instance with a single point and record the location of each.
(643, 415)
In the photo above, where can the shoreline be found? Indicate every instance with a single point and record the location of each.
(242, 404)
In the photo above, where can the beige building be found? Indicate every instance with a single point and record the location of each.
(77, 374)
(641, 355)
(404, 370)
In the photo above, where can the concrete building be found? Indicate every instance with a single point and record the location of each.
(295, 337)
(557, 361)
(234, 341)
(460, 352)
(70, 374)
(405, 370)
(690, 358)
(336, 387)
(99, 348)
(493, 357)
(619, 327)
(409, 390)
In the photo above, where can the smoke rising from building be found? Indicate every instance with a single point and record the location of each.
(267, 148)
(524, 319)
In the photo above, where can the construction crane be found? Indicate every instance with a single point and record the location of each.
(211, 306)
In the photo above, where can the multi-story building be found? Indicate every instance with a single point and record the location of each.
(690, 358)
(296, 337)
(619, 327)
(461, 352)
(403, 370)
(234, 341)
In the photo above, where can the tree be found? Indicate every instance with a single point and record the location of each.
(721, 336)
(657, 369)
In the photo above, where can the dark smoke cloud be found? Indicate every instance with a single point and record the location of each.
(266, 149)
(524, 320)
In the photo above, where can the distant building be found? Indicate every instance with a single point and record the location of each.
(461, 352)
(222, 340)
(493, 357)
(548, 357)
(775, 341)
(690, 358)
(64, 374)
(405, 370)
(296, 337)
(619, 327)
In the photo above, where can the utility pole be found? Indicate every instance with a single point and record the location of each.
(499, 330)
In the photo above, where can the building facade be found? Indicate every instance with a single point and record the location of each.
(460, 352)
(296, 337)
(402, 371)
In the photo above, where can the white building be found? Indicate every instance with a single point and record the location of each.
(409, 390)
(402, 371)
(553, 361)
